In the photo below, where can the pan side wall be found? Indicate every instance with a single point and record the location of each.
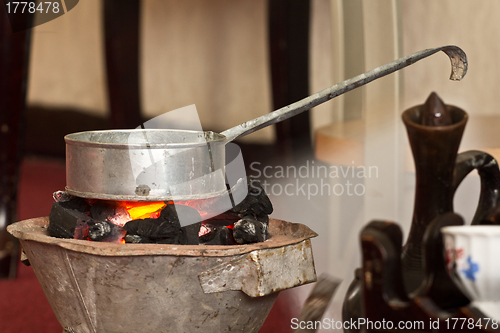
(146, 174)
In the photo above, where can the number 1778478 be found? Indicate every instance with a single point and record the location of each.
(31, 7)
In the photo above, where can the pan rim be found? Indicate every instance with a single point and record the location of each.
(82, 139)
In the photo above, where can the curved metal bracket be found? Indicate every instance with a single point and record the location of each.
(262, 272)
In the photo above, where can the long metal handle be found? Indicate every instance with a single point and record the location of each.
(457, 57)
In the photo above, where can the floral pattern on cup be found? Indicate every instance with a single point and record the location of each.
(472, 270)
(452, 255)
(472, 260)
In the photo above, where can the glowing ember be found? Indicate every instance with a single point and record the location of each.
(143, 210)
(205, 206)
(204, 230)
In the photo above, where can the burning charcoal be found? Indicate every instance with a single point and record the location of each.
(61, 196)
(256, 202)
(169, 213)
(220, 236)
(207, 232)
(82, 230)
(191, 231)
(185, 215)
(208, 227)
(64, 221)
(216, 222)
(100, 230)
(121, 217)
(227, 218)
(68, 201)
(153, 228)
(104, 210)
(136, 239)
(211, 234)
(190, 218)
(166, 229)
(249, 230)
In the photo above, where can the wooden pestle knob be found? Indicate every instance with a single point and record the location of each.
(435, 112)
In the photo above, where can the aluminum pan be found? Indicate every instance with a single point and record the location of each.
(145, 165)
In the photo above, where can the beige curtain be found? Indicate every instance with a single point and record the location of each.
(210, 53)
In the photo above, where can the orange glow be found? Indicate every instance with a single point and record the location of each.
(142, 210)
(122, 241)
(203, 206)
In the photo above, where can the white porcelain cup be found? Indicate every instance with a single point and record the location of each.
(473, 262)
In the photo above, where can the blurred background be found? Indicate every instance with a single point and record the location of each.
(109, 64)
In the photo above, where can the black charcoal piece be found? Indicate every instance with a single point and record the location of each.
(256, 202)
(221, 223)
(63, 221)
(169, 213)
(136, 239)
(261, 218)
(221, 236)
(100, 230)
(69, 201)
(249, 230)
(61, 196)
(166, 229)
(183, 214)
(224, 219)
(191, 232)
(153, 228)
(264, 220)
